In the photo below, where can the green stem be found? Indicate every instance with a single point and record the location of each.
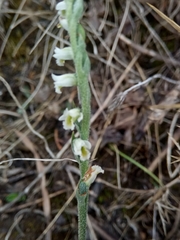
(82, 215)
(83, 167)
(74, 13)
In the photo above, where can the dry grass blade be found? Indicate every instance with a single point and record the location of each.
(48, 228)
(40, 169)
(119, 99)
(7, 237)
(172, 173)
(167, 19)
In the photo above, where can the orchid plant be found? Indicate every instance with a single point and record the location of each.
(70, 12)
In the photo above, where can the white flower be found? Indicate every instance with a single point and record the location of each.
(63, 23)
(91, 174)
(61, 8)
(62, 54)
(69, 117)
(81, 148)
(65, 80)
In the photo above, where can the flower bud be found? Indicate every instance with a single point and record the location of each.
(91, 174)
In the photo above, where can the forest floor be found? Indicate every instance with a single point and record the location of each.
(135, 86)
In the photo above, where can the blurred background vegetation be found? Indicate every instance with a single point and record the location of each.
(132, 139)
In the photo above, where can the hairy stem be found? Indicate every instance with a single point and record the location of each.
(82, 68)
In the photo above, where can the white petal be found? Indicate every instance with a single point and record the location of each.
(61, 6)
(74, 113)
(63, 54)
(80, 118)
(65, 80)
(57, 88)
(64, 23)
(63, 117)
(87, 144)
(77, 144)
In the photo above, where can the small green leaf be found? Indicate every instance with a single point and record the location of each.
(12, 196)
(83, 188)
